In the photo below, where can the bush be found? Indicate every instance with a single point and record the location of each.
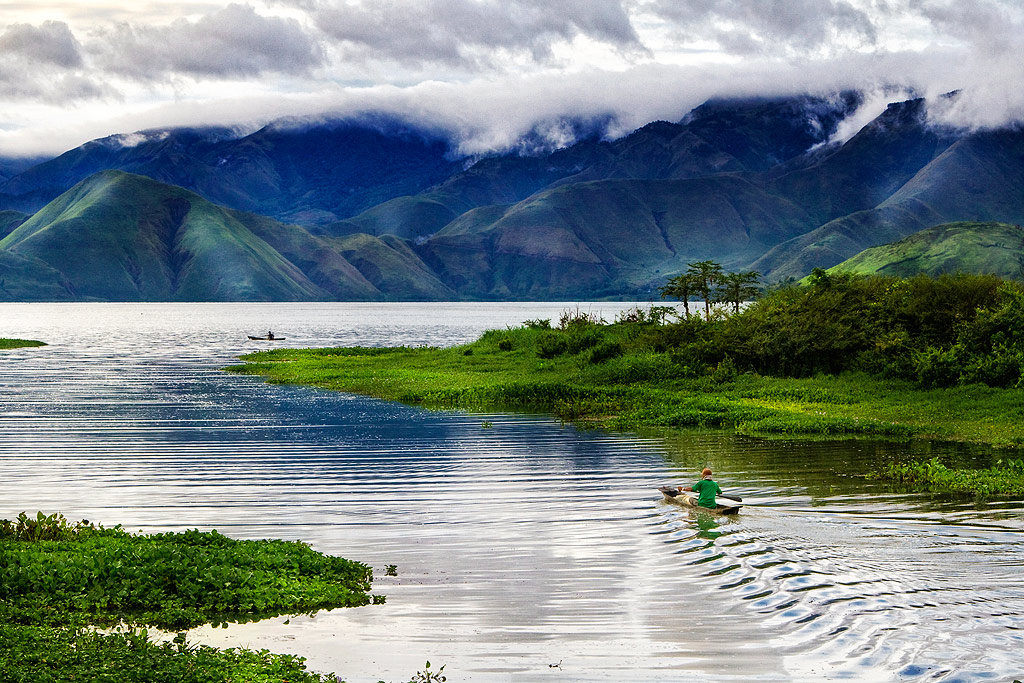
(582, 339)
(606, 351)
(552, 345)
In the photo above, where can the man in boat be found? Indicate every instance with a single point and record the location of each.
(270, 335)
(706, 490)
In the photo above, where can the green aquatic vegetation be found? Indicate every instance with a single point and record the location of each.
(1005, 478)
(43, 654)
(60, 579)
(18, 343)
(53, 573)
(41, 528)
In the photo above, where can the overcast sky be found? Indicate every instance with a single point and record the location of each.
(485, 71)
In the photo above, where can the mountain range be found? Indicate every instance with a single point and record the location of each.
(372, 208)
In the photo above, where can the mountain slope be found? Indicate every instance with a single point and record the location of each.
(608, 236)
(9, 220)
(121, 237)
(981, 248)
(29, 279)
(867, 169)
(308, 172)
(391, 265)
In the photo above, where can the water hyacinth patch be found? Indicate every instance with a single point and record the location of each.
(57, 574)
(44, 654)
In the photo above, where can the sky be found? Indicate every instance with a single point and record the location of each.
(486, 72)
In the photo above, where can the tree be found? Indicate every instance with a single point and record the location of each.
(705, 275)
(681, 287)
(735, 288)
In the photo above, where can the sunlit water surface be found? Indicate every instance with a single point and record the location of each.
(526, 550)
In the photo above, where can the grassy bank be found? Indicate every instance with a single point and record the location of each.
(503, 370)
(58, 580)
(18, 343)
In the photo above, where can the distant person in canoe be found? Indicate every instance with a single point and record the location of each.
(706, 490)
(270, 335)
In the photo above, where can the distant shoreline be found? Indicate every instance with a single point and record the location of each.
(19, 343)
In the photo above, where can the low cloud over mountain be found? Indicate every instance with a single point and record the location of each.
(487, 72)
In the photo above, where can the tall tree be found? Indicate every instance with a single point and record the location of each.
(705, 274)
(680, 287)
(735, 288)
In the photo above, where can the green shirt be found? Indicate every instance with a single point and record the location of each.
(707, 489)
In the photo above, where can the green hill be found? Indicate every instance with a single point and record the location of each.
(122, 237)
(978, 248)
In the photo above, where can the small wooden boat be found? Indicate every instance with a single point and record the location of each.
(726, 506)
(266, 337)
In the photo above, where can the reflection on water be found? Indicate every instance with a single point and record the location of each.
(520, 544)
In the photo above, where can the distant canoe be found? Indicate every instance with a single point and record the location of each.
(266, 338)
(688, 499)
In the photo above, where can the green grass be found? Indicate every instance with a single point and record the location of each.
(18, 343)
(647, 389)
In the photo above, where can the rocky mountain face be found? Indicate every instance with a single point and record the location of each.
(375, 210)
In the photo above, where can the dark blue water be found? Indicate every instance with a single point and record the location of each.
(520, 542)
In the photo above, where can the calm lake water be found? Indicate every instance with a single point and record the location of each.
(526, 550)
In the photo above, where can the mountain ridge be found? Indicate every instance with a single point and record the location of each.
(756, 184)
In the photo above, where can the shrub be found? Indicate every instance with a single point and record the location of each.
(605, 351)
(552, 345)
(582, 339)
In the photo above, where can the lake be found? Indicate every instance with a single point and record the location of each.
(526, 550)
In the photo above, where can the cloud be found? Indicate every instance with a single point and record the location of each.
(50, 43)
(991, 27)
(746, 27)
(44, 64)
(988, 64)
(469, 32)
(492, 73)
(233, 42)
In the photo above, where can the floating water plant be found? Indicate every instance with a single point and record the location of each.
(59, 579)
